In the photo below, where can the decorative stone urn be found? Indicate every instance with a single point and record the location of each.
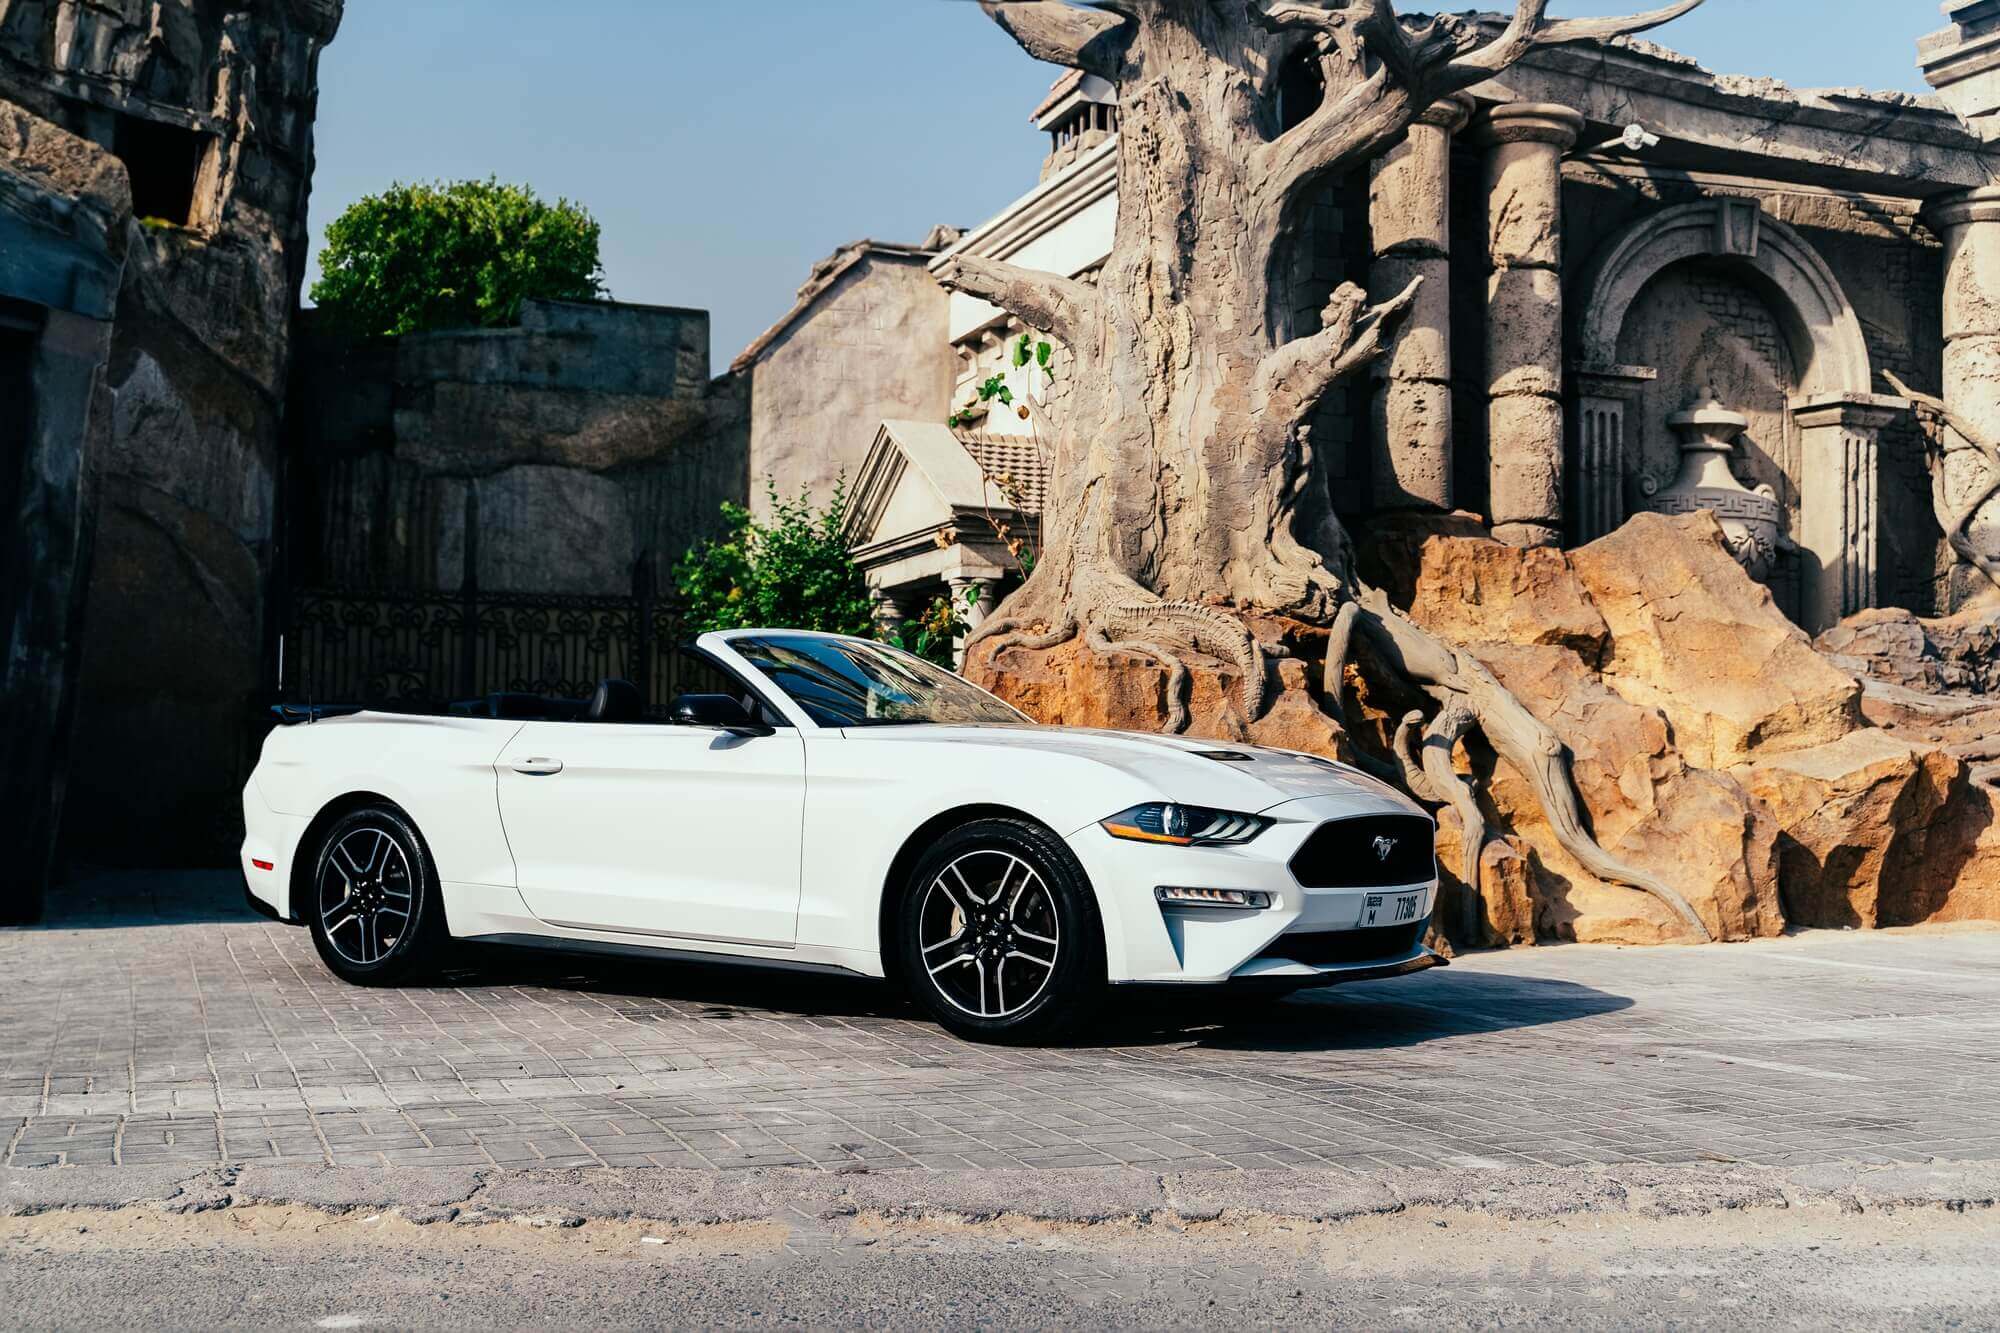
(1753, 522)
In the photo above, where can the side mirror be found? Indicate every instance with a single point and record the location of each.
(720, 711)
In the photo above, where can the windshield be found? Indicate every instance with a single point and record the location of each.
(851, 683)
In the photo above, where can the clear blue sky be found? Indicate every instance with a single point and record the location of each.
(725, 145)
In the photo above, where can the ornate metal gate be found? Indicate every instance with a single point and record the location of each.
(419, 651)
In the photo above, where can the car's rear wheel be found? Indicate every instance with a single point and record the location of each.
(998, 935)
(375, 911)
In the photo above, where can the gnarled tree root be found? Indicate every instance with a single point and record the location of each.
(1012, 634)
(1451, 675)
(1116, 614)
(1431, 777)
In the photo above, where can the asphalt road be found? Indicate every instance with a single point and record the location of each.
(303, 1247)
(288, 1267)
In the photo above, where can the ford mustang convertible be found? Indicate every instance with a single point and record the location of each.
(842, 807)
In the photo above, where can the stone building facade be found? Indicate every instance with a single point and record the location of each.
(155, 159)
(865, 341)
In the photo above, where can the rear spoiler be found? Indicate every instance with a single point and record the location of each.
(290, 715)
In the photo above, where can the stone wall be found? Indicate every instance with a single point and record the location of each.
(570, 446)
(208, 109)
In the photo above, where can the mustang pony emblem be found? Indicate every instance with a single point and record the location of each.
(1383, 846)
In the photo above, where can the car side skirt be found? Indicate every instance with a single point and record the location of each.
(552, 944)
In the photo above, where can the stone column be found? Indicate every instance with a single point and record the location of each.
(1970, 224)
(1839, 509)
(1409, 211)
(888, 613)
(975, 615)
(1524, 328)
(982, 607)
(1598, 476)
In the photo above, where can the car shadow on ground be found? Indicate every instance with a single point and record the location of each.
(1404, 1011)
(1368, 1015)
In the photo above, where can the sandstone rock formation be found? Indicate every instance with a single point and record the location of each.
(1951, 654)
(1696, 638)
(1880, 832)
(1534, 619)
(1711, 745)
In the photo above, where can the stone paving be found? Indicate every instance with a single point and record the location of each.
(158, 1023)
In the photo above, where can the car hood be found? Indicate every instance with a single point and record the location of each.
(1222, 774)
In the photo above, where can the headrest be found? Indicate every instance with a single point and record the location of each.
(616, 701)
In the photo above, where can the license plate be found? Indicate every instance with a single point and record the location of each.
(1390, 909)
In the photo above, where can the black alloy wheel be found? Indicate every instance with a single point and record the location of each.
(999, 937)
(374, 907)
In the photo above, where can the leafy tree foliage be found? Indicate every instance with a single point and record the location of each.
(794, 572)
(462, 254)
(791, 572)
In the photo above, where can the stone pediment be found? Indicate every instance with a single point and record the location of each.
(917, 480)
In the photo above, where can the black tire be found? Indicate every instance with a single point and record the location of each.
(372, 903)
(1049, 913)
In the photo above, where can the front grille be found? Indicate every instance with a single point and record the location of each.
(1346, 853)
(1324, 948)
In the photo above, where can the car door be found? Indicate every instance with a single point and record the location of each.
(653, 829)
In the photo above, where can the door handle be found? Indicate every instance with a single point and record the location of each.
(538, 768)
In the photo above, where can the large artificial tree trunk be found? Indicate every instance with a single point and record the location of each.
(1184, 492)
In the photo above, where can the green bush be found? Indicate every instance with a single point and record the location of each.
(462, 254)
(792, 572)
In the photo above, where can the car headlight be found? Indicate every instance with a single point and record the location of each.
(1184, 825)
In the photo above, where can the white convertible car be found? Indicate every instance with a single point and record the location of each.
(847, 808)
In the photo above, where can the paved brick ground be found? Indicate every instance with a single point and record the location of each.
(157, 1023)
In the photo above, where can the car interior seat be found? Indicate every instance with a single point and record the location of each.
(616, 701)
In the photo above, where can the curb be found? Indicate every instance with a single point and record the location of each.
(1079, 1196)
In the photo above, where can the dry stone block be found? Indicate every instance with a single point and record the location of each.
(1972, 280)
(1408, 194)
(1524, 186)
(1693, 636)
(1413, 423)
(1697, 830)
(1471, 589)
(1526, 468)
(1422, 345)
(1878, 831)
(1972, 369)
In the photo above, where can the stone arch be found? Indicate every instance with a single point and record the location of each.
(1835, 411)
(1824, 331)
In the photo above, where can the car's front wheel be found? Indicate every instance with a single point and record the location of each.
(998, 934)
(374, 910)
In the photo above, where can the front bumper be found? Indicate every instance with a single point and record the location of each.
(1148, 943)
(1286, 975)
